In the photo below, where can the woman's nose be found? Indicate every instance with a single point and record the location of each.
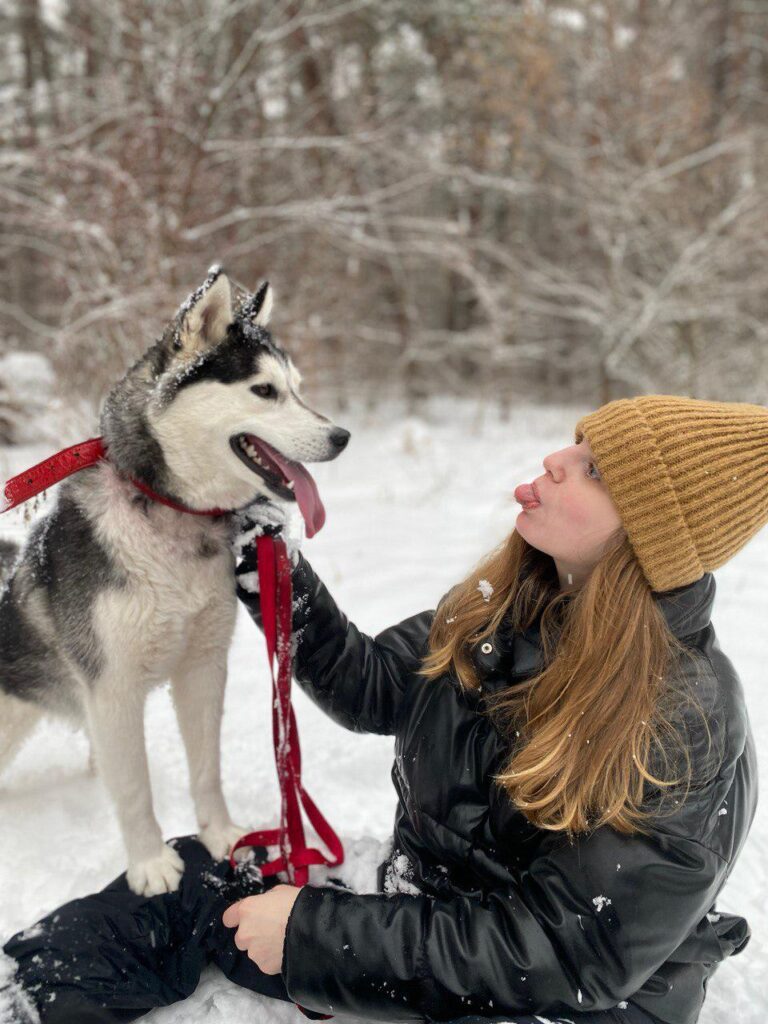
(554, 467)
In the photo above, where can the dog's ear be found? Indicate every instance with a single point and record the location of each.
(260, 306)
(206, 314)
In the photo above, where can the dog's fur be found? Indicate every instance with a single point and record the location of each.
(114, 593)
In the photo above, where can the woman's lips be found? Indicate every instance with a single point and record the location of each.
(527, 496)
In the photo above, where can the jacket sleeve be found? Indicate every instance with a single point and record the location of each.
(358, 680)
(584, 927)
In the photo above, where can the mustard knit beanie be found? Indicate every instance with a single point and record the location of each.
(688, 477)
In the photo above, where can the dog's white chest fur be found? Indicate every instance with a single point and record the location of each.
(179, 582)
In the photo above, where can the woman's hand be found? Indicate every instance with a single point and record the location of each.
(261, 922)
(279, 519)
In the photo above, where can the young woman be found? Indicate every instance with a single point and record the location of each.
(574, 764)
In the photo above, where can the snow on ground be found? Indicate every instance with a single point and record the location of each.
(412, 505)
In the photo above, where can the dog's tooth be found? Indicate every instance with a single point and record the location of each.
(252, 452)
(289, 485)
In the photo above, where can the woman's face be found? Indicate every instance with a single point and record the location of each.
(576, 516)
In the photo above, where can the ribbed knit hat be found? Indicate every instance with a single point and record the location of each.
(688, 477)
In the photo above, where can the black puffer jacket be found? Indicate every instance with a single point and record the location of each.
(501, 917)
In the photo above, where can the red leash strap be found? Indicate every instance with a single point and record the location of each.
(276, 596)
(56, 467)
(70, 460)
(275, 591)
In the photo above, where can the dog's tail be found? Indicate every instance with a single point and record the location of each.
(17, 720)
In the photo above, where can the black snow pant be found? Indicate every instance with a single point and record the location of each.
(113, 956)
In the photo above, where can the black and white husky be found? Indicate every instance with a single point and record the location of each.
(114, 593)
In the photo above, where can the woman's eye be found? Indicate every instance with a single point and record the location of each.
(592, 466)
(264, 390)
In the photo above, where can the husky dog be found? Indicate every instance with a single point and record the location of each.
(115, 593)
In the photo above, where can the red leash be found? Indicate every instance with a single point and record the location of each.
(276, 595)
(57, 467)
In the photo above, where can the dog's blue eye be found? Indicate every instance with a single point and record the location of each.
(264, 390)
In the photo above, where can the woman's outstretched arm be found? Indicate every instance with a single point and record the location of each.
(358, 680)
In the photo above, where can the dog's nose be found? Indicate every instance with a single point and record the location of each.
(339, 437)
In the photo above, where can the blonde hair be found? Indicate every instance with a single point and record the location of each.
(609, 710)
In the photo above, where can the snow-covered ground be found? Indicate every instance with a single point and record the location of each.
(412, 505)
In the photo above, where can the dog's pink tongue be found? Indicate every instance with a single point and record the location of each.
(305, 489)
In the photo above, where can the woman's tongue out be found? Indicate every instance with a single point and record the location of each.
(526, 496)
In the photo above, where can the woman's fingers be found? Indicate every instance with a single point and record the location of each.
(231, 916)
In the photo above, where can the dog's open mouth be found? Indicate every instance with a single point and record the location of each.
(288, 479)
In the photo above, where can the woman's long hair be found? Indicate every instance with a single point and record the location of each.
(604, 724)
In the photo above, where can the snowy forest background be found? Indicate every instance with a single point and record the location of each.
(518, 198)
(480, 219)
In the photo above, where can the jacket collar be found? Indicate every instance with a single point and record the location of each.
(688, 609)
(512, 656)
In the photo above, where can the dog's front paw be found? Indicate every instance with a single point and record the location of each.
(219, 839)
(156, 875)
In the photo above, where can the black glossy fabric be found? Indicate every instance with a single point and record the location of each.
(490, 914)
(111, 957)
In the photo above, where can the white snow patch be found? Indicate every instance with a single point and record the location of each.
(34, 932)
(271, 513)
(398, 876)
(249, 581)
(568, 17)
(600, 902)
(486, 589)
(15, 1004)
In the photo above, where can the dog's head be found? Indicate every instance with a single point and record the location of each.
(220, 400)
